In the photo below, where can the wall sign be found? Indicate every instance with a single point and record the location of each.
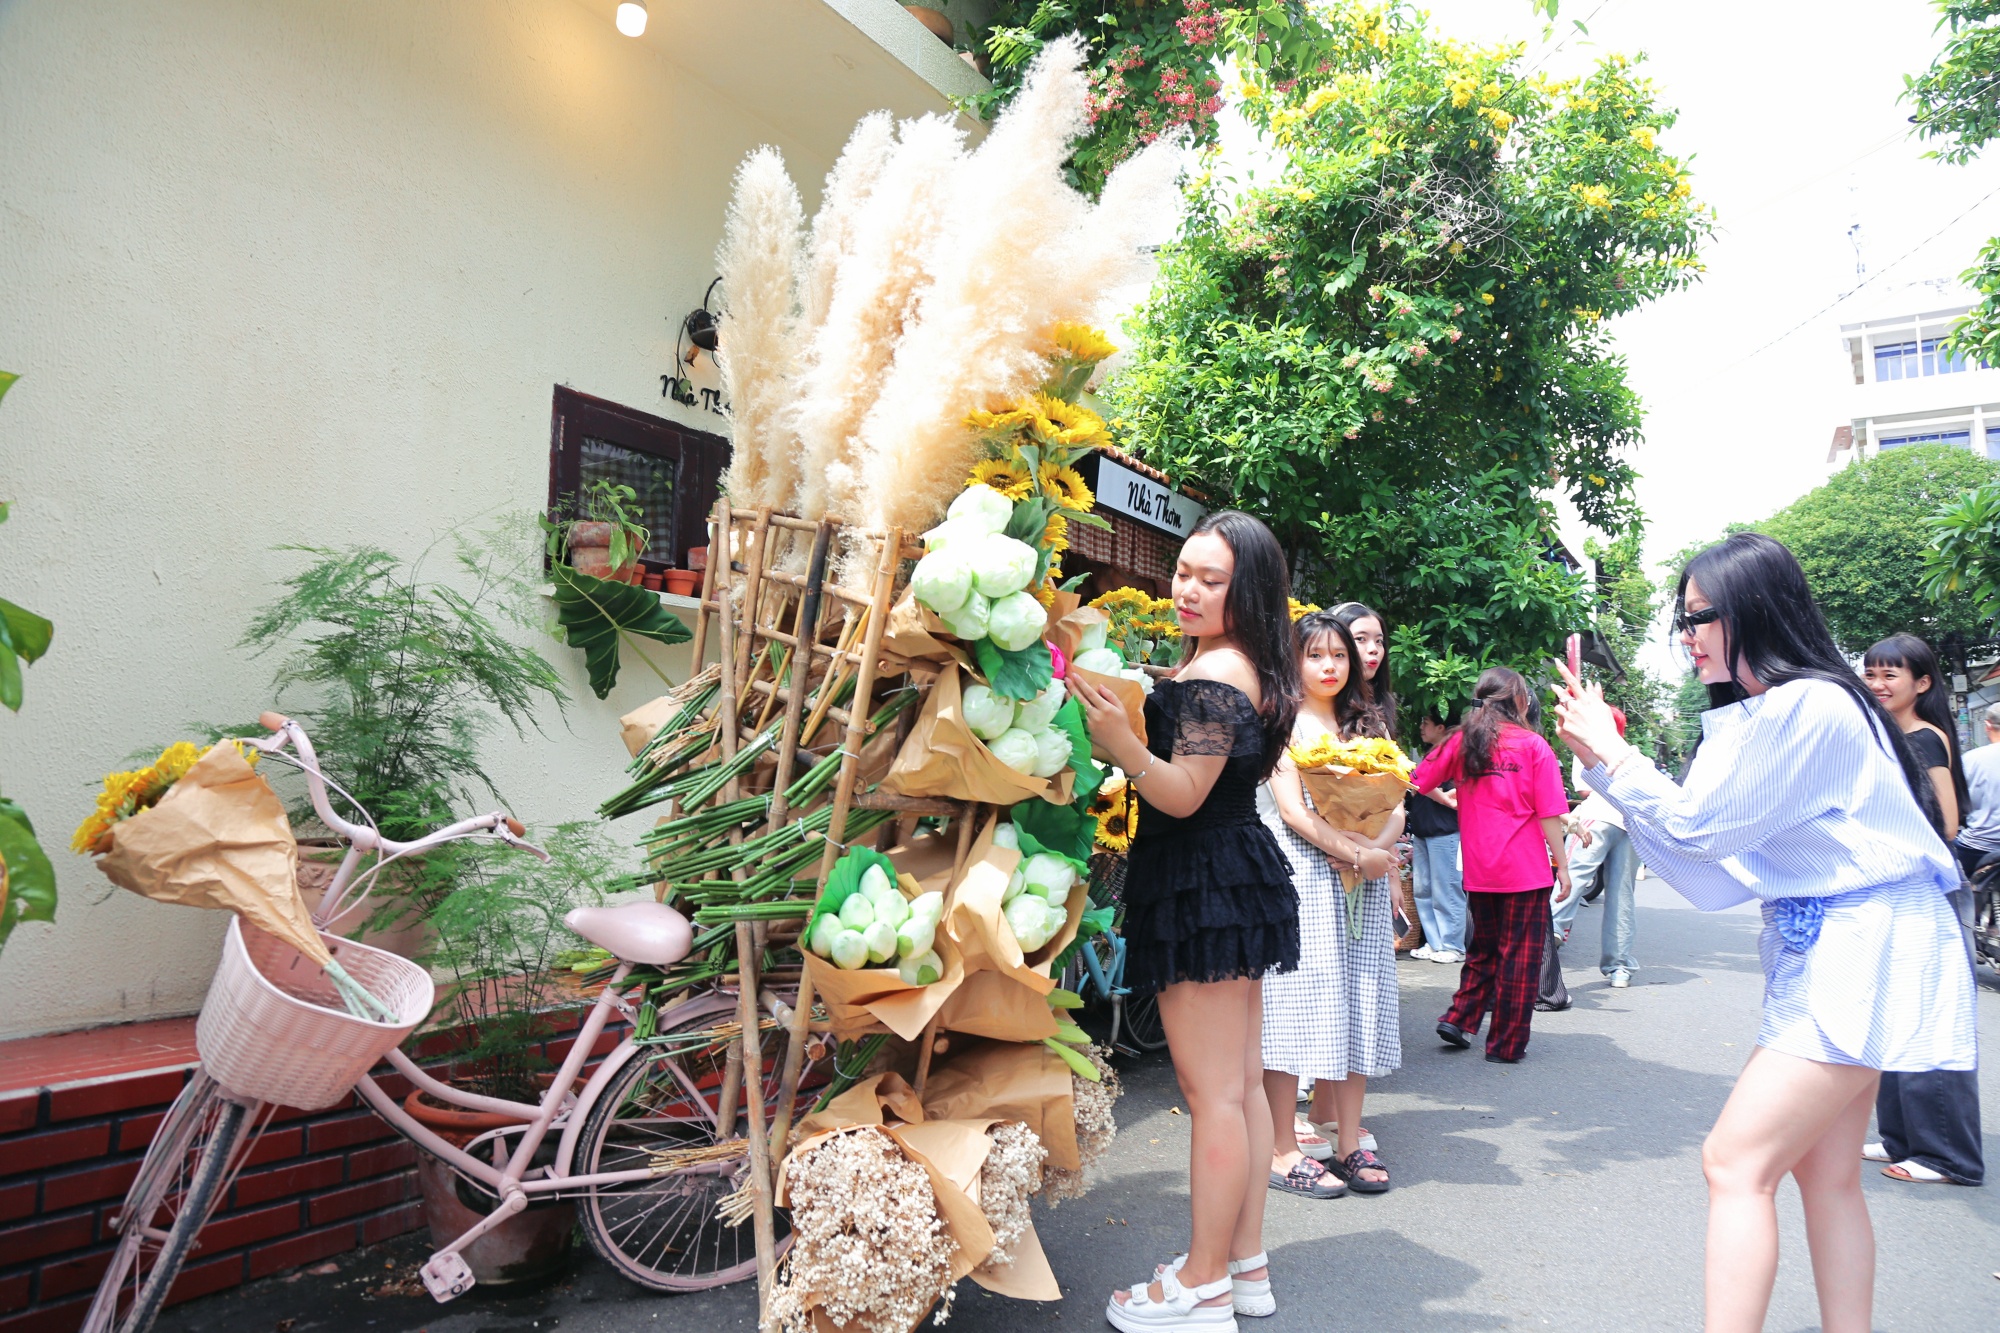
(1124, 491)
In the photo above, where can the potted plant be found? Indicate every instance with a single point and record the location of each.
(606, 539)
(400, 677)
(499, 952)
(931, 14)
(682, 582)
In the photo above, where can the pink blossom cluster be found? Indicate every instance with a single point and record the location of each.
(1183, 102)
(1201, 23)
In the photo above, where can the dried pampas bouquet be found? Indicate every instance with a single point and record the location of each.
(926, 290)
(1010, 1176)
(1095, 1128)
(868, 1246)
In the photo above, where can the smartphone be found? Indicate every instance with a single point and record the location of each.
(1575, 652)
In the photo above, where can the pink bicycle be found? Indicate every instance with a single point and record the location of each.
(649, 1146)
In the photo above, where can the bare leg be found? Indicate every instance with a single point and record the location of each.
(1213, 1036)
(1781, 1109)
(1260, 1112)
(1837, 1226)
(1281, 1090)
(1347, 1096)
(1326, 1106)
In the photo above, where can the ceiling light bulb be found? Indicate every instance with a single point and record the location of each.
(632, 17)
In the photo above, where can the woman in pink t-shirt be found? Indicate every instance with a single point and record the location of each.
(1510, 808)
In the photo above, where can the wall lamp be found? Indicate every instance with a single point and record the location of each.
(700, 327)
(632, 17)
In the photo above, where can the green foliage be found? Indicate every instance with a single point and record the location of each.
(399, 678)
(1957, 103)
(1962, 566)
(597, 615)
(1957, 99)
(1021, 673)
(603, 501)
(1152, 64)
(499, 936)
(27, 880)
(1395, 349)
(1863, 539)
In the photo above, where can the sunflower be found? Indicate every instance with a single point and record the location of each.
(1300, 609)
(1055, 537)
(1116, 826)
(1006, 421)
(1080, 342)
(126, 794)
(1119, 598)
(1066, 487)
(1003, 475)
(1066, 424)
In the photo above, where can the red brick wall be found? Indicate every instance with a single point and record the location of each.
(317, 1183)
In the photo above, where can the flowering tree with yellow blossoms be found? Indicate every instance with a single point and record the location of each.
(1395, 350)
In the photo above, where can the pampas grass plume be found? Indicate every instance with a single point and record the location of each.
(834, 226)
(758, 262)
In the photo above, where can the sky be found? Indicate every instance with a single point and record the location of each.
(1789, 111)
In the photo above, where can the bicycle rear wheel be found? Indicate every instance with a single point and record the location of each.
(1142, 1022)
(193, 1157)
(661, 1110)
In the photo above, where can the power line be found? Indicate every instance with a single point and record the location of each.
(1871, 277)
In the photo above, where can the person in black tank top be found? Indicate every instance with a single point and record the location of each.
(1209, 904)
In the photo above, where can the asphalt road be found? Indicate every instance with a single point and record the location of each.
(1561, 1193)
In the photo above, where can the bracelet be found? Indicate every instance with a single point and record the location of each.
(1150, 761)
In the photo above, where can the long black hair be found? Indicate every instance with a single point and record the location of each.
(1501, 697)
(1257, 615)
(1772, 626)
(1913, 655)
(1379, 691)
(1352, 709)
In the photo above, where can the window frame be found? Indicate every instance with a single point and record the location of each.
(699, 458)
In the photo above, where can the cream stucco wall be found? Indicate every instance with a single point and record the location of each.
(306, 272)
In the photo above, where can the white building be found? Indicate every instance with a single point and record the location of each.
(1907, 388)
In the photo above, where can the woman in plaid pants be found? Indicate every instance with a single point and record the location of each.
(1510, 808)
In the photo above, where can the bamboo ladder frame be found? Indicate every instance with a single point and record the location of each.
(742, 625)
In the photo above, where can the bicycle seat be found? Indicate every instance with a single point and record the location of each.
(641, 932)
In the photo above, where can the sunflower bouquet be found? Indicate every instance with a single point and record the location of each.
(1356, 784)
(1116, 811)
(1141, 628)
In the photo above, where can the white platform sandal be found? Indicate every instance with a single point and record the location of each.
(1179, 1307)
(1248, 1295)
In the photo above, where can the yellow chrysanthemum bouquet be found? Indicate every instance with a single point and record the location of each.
(1355, 784)
(126, 794)
(1141, 626)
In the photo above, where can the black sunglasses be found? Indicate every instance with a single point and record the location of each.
(1685, 620)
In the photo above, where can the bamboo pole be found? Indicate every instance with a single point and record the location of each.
(718, 536)
(805, 631)
(751, 1039)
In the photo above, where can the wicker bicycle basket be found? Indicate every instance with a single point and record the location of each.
(273, 1027)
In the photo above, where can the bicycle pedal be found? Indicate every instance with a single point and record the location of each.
(446, 1276)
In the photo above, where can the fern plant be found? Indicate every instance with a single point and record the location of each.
(400, 677)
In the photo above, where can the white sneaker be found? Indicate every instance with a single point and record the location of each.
(1447, 956)
(1620, 979)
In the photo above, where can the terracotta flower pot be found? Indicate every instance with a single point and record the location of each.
(531, 1246)
(681, 582)
(652, 582)
(594, 561)
(936, 20)
(698, 558)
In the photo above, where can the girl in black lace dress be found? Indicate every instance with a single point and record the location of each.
(1209, 905)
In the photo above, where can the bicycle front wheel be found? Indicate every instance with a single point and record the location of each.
(1143, 1026)
(193, 1157)
(662, 1112)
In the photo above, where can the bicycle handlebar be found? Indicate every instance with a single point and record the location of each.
(286, 731)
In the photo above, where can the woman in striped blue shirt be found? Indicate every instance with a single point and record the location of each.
(1804, 796)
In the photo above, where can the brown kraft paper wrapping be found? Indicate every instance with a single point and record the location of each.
(974, 921)
(915, 632)
(1129, 693)
(218, 838)
(857, 1001)
(951, 1151)
(1006, 1080)
(1068, 620)
(1354, 802)
(942, 757)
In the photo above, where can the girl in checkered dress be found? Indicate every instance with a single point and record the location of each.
(1335, 1019)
